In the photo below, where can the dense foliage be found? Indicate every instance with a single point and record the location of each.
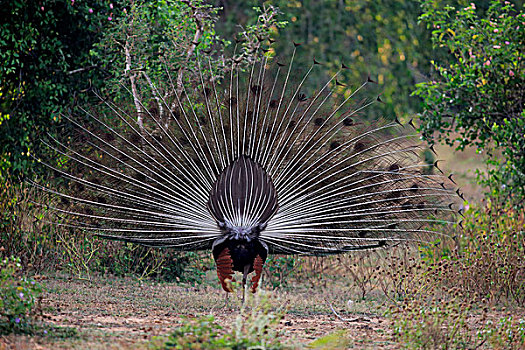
(158, 50)
(477, 96)
(45, 63)
(378, 38)
(53, 52)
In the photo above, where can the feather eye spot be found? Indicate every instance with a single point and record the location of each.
(135, 139)
(407, 205)
(140, 177)
(273, 104)
(394, 168)
(393, 195)
(414, 187)
(334, 145)
(109, 137)
(95, 181)
(359, 146)
(318, 121)
(302, 97)
(175, 114)
(348, 121)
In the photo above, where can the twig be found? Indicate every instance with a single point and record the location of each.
(194, 43)
(356, 319)
(74, 71)
(157, 98)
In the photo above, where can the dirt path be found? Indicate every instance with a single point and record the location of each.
(120, 313)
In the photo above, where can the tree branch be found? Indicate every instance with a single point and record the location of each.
(157, 98)
(191, 50)
(132, 79)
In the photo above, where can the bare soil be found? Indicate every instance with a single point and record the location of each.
(123, 313)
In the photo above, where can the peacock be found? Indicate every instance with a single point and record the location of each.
(252, 164)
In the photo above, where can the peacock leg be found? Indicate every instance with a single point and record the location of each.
(257, 267)
(244, 277)
(225, 270)
(226, 300)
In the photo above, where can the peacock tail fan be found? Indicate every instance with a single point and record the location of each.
(255, 161)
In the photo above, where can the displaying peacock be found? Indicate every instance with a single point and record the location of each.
(250, 165)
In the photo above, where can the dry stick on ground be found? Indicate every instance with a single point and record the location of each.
(355, 319)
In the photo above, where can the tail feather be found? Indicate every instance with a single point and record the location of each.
(318, 178)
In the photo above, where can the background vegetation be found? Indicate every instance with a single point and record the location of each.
(454, 66)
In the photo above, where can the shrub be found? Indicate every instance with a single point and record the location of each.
(432, 324)
(84, 254)
(33, 233)
(488, 261)
(476, 97)
(433, 299)
(19, 297)
(44, 63)
(280, 269)
(252, 329)
(25, 228)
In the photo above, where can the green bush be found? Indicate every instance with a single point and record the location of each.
(82, 255)
(19, 297)
(280, 269)
(44, 64)
(255, 328)
(34, 233)
(476, 98)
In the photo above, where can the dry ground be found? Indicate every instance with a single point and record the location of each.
(124, 313)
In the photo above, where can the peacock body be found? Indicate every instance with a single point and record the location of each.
(249, 166)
